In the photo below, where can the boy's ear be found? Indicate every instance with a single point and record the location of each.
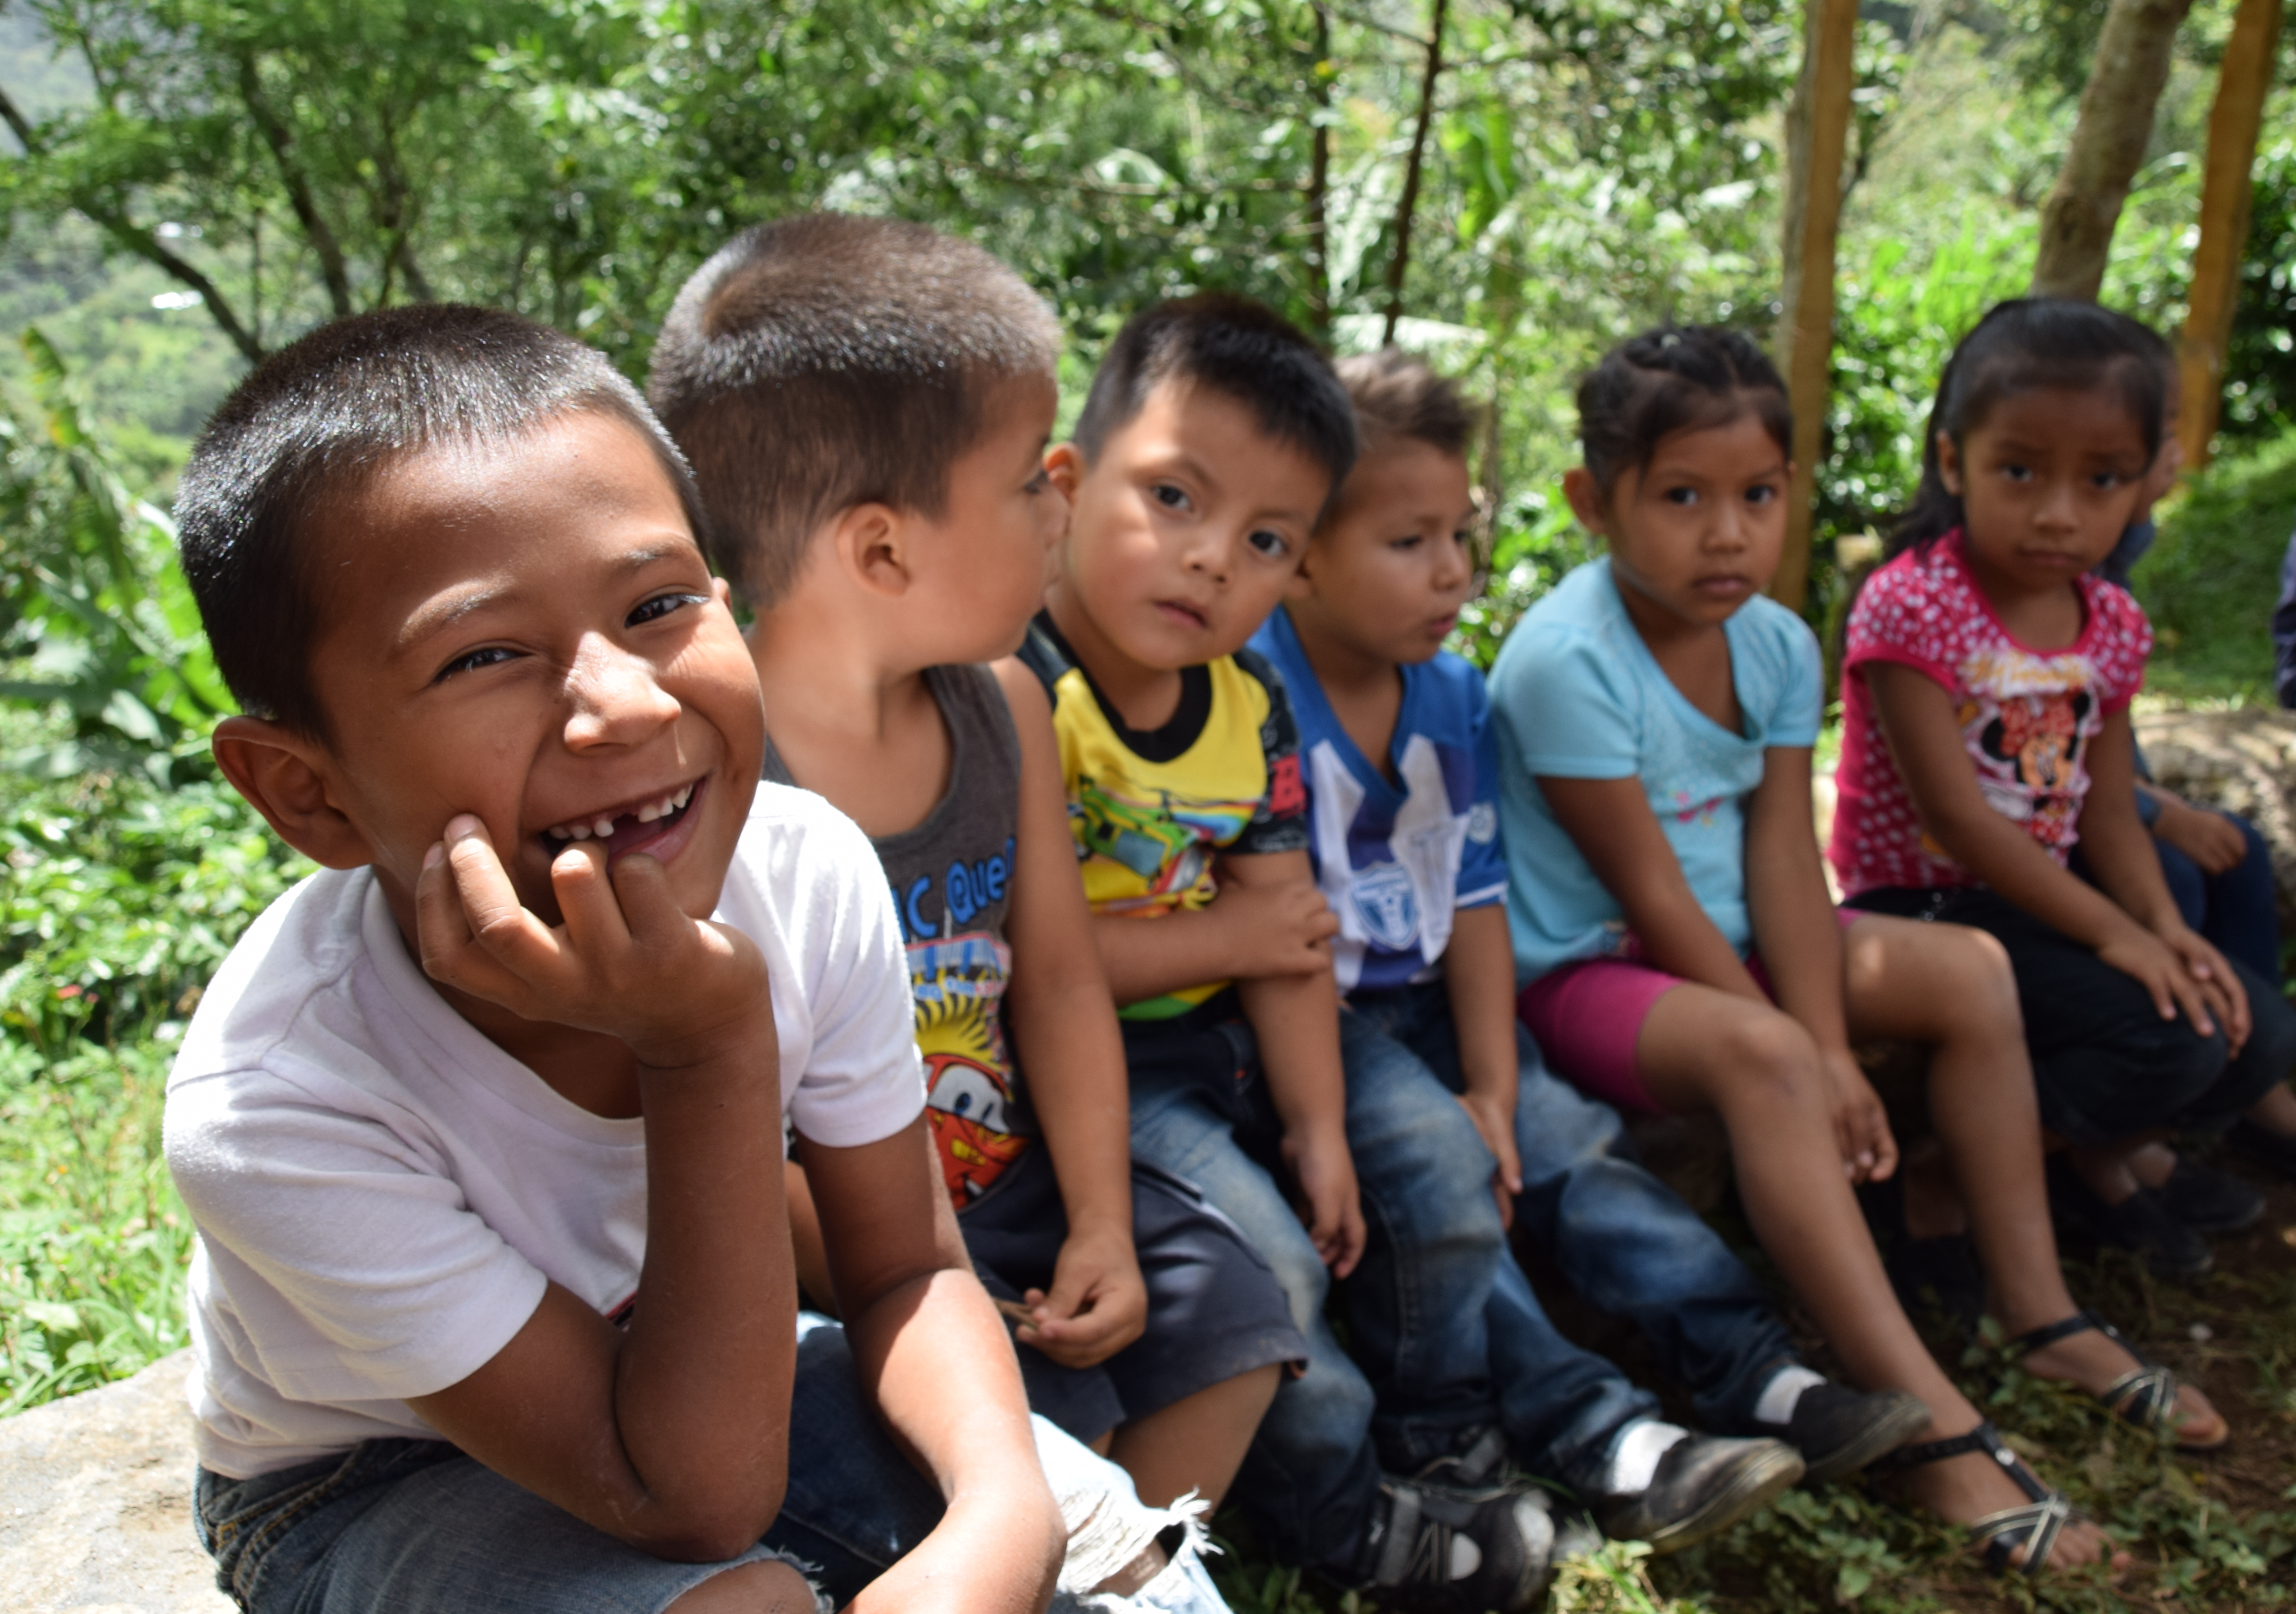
(1586, 502)
(1302, 586)
(871, 542)
(286, 777)
(1949, 462)
(1064, 468)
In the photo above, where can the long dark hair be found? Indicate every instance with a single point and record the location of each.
(2019, 346)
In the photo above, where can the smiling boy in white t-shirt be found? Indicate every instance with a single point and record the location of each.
(482, 1125)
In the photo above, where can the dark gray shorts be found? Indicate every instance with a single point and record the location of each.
(1215, 1309)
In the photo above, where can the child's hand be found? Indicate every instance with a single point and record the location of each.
(1861, 1126)
(2208, 838)
(1277, 927)
(628, 961)
(2188, 977)
(1494, 1125)
(2220, 984)
(1098, 1305)
(1325, 1172)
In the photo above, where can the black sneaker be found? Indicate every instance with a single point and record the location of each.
(2266, 1147)
(2209, 1201)
(1704, 1485)
(1446, 1549)
(1839, 1430)
(2139, 1223)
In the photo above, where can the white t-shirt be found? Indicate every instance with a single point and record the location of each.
(381, 1192)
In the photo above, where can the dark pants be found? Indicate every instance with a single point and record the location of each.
(2239, 909)
(2106, 1067)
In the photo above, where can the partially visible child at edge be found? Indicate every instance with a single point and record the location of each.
(1670, 920)
(481, 1125)
(1986, 687)
(1213, 437)
(889, 517)
(2219, 871)
(1402, 783)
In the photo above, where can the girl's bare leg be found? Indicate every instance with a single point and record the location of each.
(1951, 988)
(1706, 1050)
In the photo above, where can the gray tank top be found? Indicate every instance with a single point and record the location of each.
(952, 880)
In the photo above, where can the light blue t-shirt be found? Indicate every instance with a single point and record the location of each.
(1577, 694)
(1396, 859)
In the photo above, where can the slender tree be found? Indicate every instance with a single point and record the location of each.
(2108, 144)
(2242, 84)
(1400, 263)
(1817, 137)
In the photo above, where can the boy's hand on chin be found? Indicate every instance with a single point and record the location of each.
(1334, 1212)
(626, 962)
(1098, 1304)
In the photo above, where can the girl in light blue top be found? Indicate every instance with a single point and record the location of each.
(1675, 939)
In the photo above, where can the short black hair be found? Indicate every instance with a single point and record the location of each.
(1238, 348)
(1676, 377)
(316, 421)
(2030, 344)
(1400, 398)
(824, 361)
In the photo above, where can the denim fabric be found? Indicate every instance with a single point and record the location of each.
(1626, 1242)
(2105, 1065)
(417, 1528)
(1416, 1307)
(2237, 909)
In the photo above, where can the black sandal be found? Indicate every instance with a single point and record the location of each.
(2145, 1398)
(2035, 1526)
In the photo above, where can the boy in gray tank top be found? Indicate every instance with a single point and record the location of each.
(867, 405)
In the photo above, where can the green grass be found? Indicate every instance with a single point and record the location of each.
(2210, 581)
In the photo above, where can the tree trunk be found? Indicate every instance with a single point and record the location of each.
(2245, 81)
(2109, 140)
(1401, 262)
(1319, 183)
(1817, 137)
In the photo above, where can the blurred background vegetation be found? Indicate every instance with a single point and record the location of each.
(186, 184)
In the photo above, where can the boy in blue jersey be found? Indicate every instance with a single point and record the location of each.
(1407, 850)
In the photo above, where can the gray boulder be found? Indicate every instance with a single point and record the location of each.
(95, 1503)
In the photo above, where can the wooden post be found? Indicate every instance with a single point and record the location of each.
(2245, 81)
(1818, 138)
(2108, 144)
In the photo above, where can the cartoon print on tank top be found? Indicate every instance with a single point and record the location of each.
(957, 983)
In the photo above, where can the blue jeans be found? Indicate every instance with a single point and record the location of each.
(2238, 910)
(1416, 1305)
(1626, 1242)
(417, 1527)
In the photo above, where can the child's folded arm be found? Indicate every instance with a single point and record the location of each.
(1479, 980)
(1610, 822)
(1246, 932)
(671, 1434)
(1062, 1024)
(934, 1356)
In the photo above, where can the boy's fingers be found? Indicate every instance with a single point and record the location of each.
(499, 921)
(585, 900)
(651, 913)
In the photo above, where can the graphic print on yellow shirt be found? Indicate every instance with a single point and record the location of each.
(952, 878)
(1152, 810)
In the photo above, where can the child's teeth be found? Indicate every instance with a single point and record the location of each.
(578, 831)
(678, 801)
(650, 812)
(604, 829)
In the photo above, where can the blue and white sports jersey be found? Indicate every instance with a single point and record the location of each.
(1396, 860)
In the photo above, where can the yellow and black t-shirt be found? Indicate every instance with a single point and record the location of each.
(1152, 808)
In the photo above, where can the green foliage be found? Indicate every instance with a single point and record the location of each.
(2210, 579)
(117, 899)
(93, 605)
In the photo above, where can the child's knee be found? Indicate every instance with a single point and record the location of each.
(767, 1587)
(1975, 983)
(1763, 1056)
